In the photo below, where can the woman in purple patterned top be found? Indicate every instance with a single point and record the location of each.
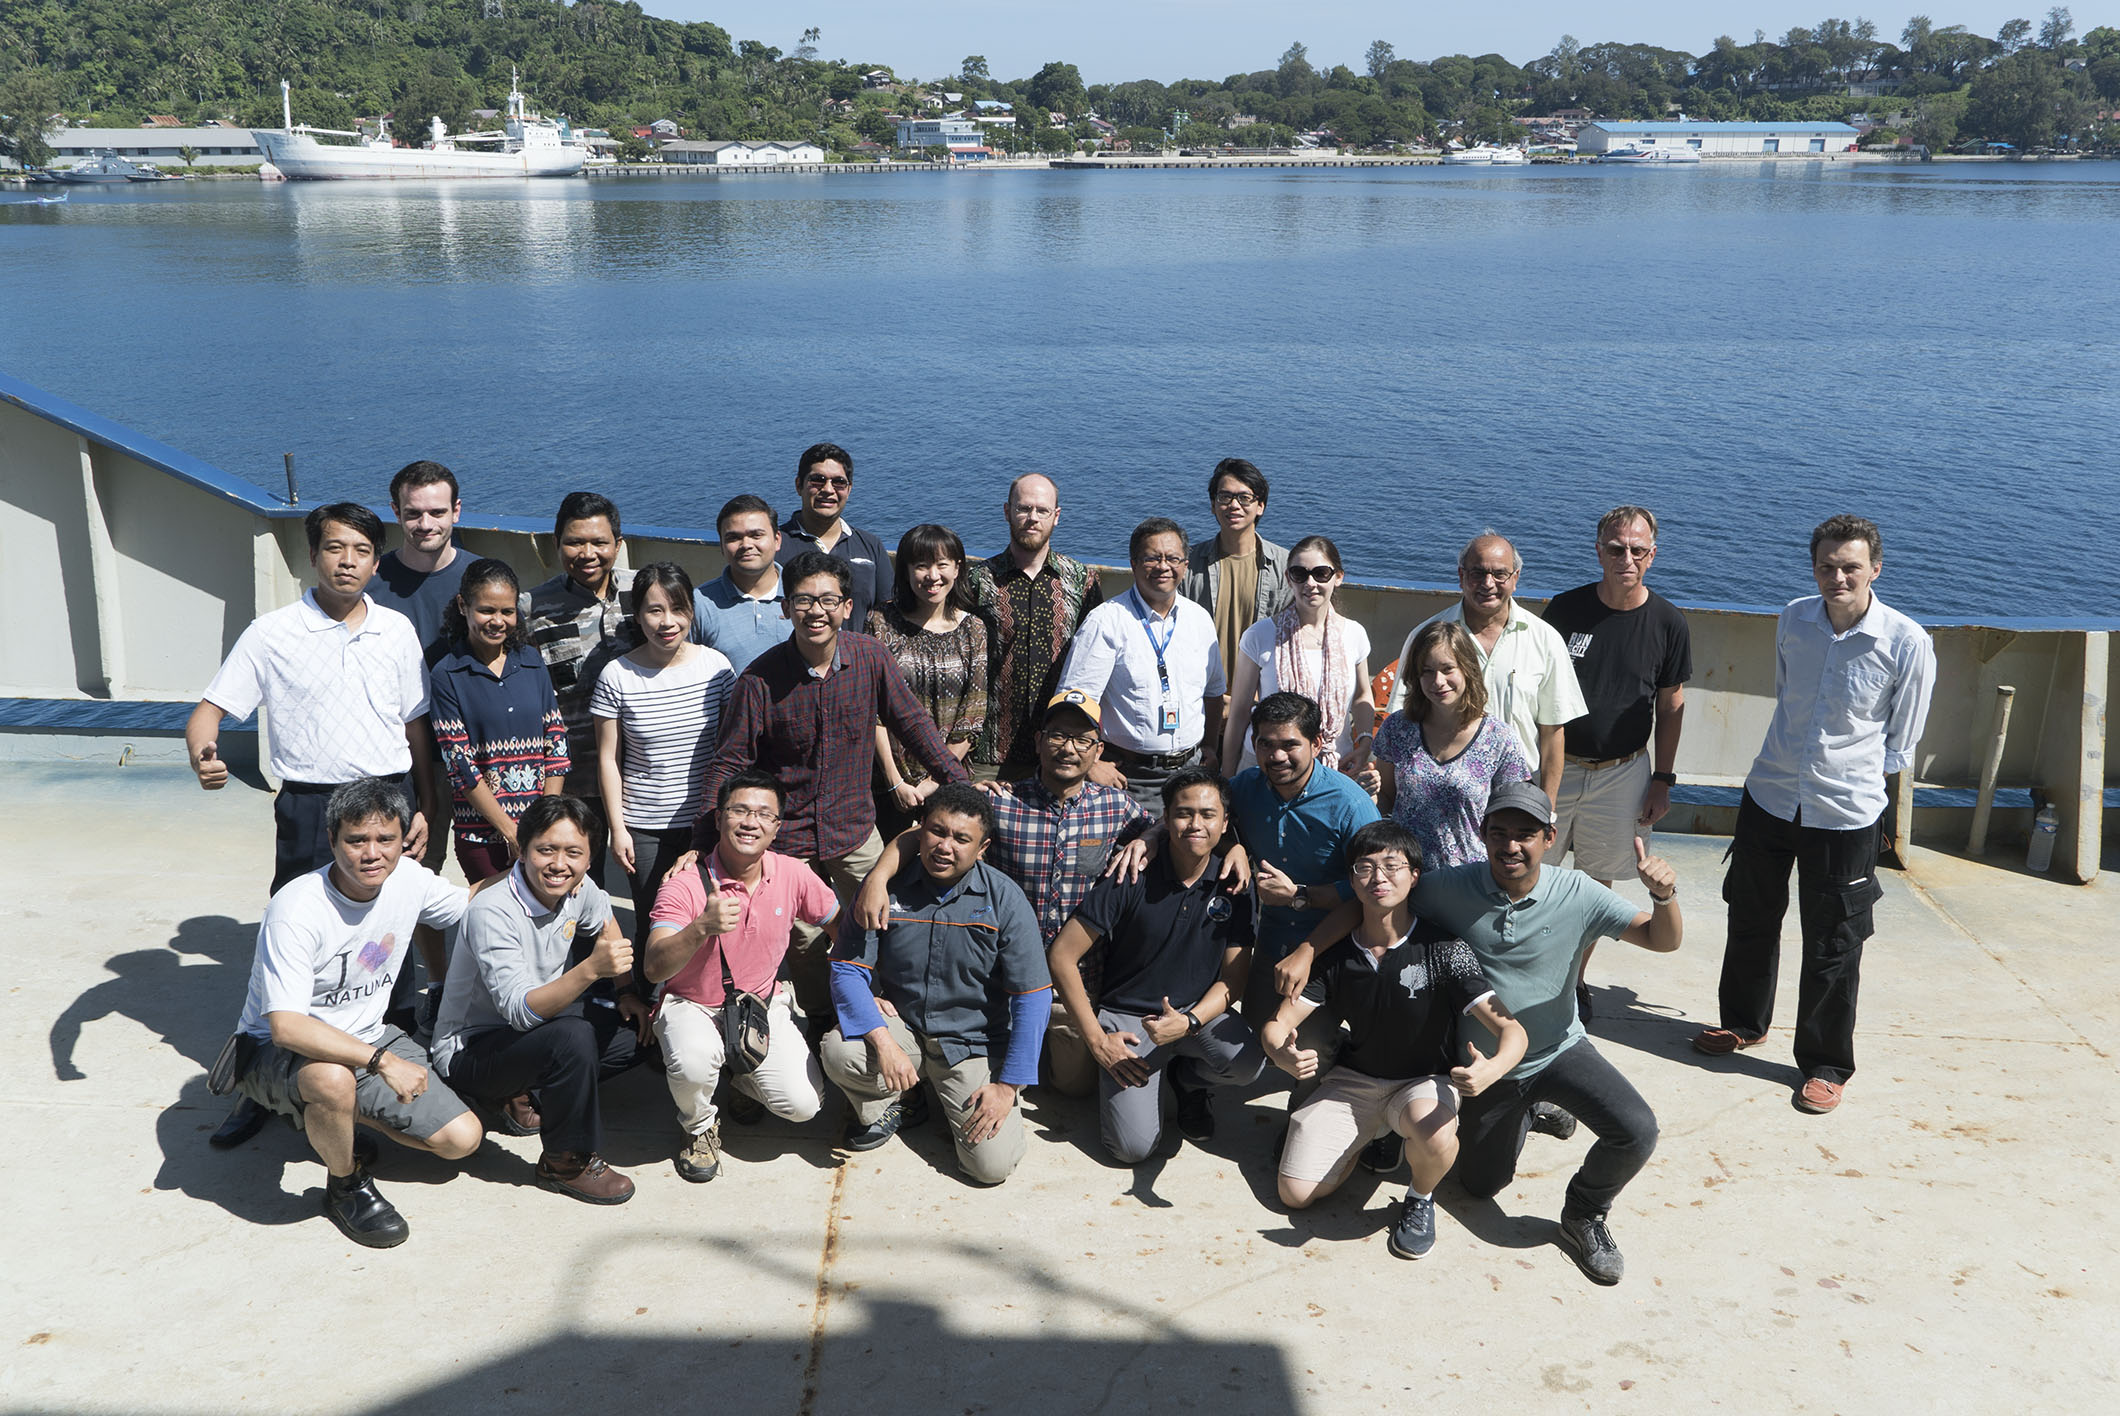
(1443, 754)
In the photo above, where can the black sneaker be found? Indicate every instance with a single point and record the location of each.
(362, 1214)
(742, 1108)
(1384, 1154)
(867, 1138)
(1549, 1120)
(915, 1105)
(1590, 1244)
(1196, 1113)
(1414, 1232)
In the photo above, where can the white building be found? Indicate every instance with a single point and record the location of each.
(1719, 139)
(741, 154)
(214, 147)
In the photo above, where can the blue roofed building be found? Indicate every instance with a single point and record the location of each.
(1720, 139)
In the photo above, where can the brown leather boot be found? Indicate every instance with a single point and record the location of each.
(518, 1116)
(583, 1175)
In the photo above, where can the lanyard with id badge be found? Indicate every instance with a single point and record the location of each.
(1167, 712)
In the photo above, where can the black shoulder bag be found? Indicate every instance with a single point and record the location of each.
(746, 1028)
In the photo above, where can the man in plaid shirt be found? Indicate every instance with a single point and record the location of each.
(805, 712)
(1054, 834)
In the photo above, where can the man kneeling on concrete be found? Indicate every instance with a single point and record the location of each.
(1401, 989)
(957, 976)
(329, 950)
(723, 924)
(514, 1026)
(1175, 953)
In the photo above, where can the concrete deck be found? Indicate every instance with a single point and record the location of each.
(1944, 1242)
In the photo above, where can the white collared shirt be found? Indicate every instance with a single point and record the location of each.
(336, 699)
(1530, 678)
(1114, 661)
(1848, 710)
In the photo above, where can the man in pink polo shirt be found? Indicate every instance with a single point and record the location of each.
(758, 897)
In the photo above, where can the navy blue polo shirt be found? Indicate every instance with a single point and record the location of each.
(864, 554)
(1162, 937)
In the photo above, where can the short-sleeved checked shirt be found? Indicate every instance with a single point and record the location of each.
(1029, 621)
(336, 699)
(1056, 849)
(816, 733)
(577, 634)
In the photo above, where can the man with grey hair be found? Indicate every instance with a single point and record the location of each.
(312, 1044)
(1633, 654)
(1530, 680)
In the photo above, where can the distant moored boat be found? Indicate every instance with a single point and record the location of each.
(528, 145)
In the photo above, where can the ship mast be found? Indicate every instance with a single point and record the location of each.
(286, 107)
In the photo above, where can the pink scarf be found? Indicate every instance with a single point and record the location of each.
(1332, 690)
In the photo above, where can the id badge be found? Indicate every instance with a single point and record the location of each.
(1167, 722)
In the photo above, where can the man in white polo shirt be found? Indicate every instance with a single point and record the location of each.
(314, 1045)
(343, 683)
(1151, 659)
(1530, 679)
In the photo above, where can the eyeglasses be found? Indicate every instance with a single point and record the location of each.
(1389, 869)
(1235, 499)
(1082, 742)
(829, 484)
(803, 603)
(1636, 553)
(763, 815)
(1320, 573)
(1478, 573)
(1171, 561)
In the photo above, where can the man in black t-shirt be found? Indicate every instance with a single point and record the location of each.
(1633, 654)
(1400, 989)
(1174, 958)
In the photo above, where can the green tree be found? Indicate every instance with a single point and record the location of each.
(424, 98)
(2018, 100)
(871, 124)
(1058, 88)
(2013, 34)
(28, 99)
(190, 156)
(1379, 57)
(1294, 73)
(2055, 31)
(975, 69)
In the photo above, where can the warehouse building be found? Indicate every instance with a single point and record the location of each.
(212, 147)
(1720, 139)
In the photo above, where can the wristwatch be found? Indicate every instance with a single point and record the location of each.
(1193, 1021)
(1669, 779)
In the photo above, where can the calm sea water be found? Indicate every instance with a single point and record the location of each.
(1411, 354)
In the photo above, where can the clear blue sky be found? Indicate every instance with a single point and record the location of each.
(1114, 40)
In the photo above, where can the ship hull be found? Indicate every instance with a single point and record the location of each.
(304, 159)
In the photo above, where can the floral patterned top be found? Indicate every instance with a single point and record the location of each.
(1442, 802)
(947, 673)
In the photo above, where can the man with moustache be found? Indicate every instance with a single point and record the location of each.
(1032, 598)
(824, 479)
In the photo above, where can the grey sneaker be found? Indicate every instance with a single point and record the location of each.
(700, 1160)
(1413, 1234)
(1549, 1120)
(1590, 1244)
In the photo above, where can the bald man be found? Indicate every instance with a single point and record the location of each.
(1530, 678)
(1032, 598)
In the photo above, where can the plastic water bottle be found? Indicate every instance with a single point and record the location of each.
(2045, 827)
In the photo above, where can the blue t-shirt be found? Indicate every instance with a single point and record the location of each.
(420, 596)
(1529, 949)
(1305, 838)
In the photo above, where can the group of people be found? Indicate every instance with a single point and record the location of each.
(1014, 832)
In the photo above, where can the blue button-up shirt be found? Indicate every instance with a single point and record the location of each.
(1848, 709)
(740, 626)
(1305, 838)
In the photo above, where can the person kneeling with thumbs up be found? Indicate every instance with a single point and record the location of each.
(1400, 987)
(518, 1015)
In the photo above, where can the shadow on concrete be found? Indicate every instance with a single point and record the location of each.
(190, 1006)
(1660, 1030)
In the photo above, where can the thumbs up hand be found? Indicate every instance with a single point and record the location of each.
(1476, 1077)
(211, 770)
(1656, 874)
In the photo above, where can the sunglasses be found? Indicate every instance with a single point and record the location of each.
(1322, 574)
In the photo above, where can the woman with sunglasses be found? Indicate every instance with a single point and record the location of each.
(1443, 754)
(1312, 649)
(940, 645)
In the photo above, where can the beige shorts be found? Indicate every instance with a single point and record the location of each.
(1599, 815)
(1350, 1110)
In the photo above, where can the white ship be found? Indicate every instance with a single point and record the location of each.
(1487, 155)
(1650, 155)
(527, 146)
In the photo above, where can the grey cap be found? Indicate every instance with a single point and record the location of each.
(1524, 797)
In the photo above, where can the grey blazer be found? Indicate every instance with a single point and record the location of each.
(1201, 583)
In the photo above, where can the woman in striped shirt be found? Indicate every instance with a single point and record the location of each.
(658, 717)
(496, 719)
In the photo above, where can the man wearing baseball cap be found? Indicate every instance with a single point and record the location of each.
(1053, 835)
(1529, 925)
